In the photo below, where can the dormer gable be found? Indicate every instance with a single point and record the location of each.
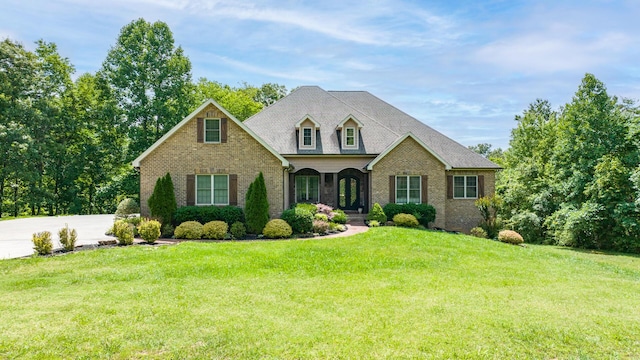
(349, 130)
(306, 129)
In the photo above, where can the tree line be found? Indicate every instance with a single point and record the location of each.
(68, 144)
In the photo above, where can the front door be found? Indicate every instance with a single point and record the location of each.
(349, 192)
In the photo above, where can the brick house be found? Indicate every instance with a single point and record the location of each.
(347, 149)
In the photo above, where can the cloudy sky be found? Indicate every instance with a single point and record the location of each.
(465, 67)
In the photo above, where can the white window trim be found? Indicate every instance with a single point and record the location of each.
(313, 138)
(355, 138)
(465, 187)
(212, 190)
(204, 128)
(409, 188)
(307, 186)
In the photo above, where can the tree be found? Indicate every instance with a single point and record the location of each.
(162, 201)
(238, 101)
(269, 93)
(257, 205)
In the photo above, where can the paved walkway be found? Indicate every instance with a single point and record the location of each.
(15, 235)
(354, 227)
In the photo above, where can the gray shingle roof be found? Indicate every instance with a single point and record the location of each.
(382, 123)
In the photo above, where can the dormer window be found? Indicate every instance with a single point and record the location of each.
(307, 139)
(306, 129)
(349, 128)
(350, 136)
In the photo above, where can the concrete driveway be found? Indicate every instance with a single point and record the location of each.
(15, 235)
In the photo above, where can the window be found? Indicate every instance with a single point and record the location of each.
(307, 140)
(350, 137)
(408, 189)
(212, 130)
(307, 188)
(212, 189)
(465, 187)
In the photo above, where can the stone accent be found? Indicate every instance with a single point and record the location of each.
(462, 214)
(182, 155)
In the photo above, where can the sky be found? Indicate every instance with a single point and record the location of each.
(466, 67)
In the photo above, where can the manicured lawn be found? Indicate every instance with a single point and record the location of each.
(387, 293)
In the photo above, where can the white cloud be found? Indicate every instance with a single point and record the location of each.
(308, 74)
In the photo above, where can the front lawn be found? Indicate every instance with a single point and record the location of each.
(386, 293)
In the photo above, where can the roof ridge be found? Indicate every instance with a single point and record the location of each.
(365, 115)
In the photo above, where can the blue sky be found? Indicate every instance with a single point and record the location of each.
(464, 67)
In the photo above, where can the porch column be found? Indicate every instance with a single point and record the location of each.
(336, 191)
(322, 190)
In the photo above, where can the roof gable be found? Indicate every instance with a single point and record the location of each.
(400, 141)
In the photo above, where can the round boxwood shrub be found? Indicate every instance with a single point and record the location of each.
(300, 220)
(215, 230)
(123, 231)
(377, 214)
(190, 230)
(510, 237)
(149, 231)
(406, 220)
(320, 226)
(478, 232)
(238, 230)
(277, 229)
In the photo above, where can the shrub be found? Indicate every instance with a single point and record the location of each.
(167, 230)
(162, 201)
(42, 243)
(205, 214)
(337, 227)
(424, 213)
(338, 216)
(510, 237)
(257, 205)
(68, 237)
(238, 231)
(123, 231)
(215, 230)
(374, 223)
(300, 220)
(377, 214)
(324, 209)
(190, 230)
(230, 214)
(150, 231)
(277, 229)
(320, 226)
(312, 208)
(406, 220)
(489, 206)
(127, 207)
(321, 216)
(478, 232)
(528, 225)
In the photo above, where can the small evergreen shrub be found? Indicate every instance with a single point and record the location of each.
(191, 230)
(478, 232)
(123, 231)
(162, 201)
(424, 213)
(68, 238)
(42, 243)
(374, 223)
(300, 220)
(339, 216)
(230, 214)
(238, 231)
(277, 229)
(337, 227)
(215, 230)
(167, 230)
(406, 220)
(510, 237)
(377, 214)
(150, 231)
(320, 226)
(126, 208)
(257, 205)
(312, 208)
(204, 214)
(321, 216)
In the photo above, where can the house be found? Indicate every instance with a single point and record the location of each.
(347, 149)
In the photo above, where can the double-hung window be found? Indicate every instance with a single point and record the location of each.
(212, 130)
(350, 136)
(307, 188)
(408, 189)
(307, 140)
(465, 187)
(212, 189)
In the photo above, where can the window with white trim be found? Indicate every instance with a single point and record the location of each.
(307, 188)
(212, 189)
(350, 137)
(408, 189)
(465, 187)
(212, 130)
(307, 139)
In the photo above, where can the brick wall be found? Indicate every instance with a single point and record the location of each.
(462, 214)
(182, 155)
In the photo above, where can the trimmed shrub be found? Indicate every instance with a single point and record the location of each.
(167, 230)
(191, 230)
(338, 216)
(406, 220)
(300, 220)
(478, 232)
(321, 216)
(149, 231)
(162, 201)
(510, 237)
(277, 229)
(68, 238)
(230, 214)
(424, 213)
(257, 205)
(215, 230)
(374, 223)
(123, 231)
(377, 214)
(320, 226)
(238, 231)
(42, 243)
(312, 208)
(205, 214)
(126, 208)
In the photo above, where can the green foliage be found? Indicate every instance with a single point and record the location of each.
(162, 201)
(374, 223)
(529, 225)
(579, 227)
(215, 230)
(300, 220)
(238, 231)
(167, 230)
(191, 230)
(149, 230)
(239, 101)
(277, 229)
(230, 214)
(126, 208)
(312, 208)
(320, 226)
(123, 231)
(257, 205)
(489, 206)
(510, 237)
(377, 214)
(42, 243)
(68, 238)
(320, 216)
(424, 213)
(405, 220)
(478, 232)
(338, 216)
(204, 214)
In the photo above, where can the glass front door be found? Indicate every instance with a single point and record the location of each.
(349, 193)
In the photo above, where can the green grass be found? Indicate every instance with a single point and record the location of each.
(387, 293)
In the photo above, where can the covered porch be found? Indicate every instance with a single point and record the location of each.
(347, 189)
